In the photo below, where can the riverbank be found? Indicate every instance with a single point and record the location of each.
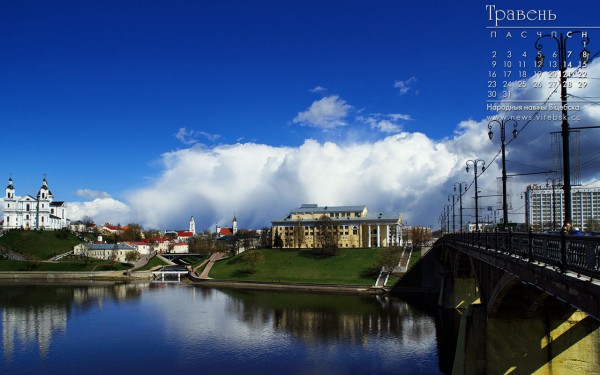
(286, 286)
(50, 276)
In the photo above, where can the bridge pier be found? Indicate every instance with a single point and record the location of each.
(551, 342)
(458, 292)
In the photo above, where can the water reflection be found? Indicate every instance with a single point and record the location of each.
(34, 313)
(319, 318)
(220, 331)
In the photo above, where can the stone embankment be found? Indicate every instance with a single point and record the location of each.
(51, 276)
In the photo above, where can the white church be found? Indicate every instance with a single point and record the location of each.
(41, 212)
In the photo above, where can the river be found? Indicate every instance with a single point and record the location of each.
(167, 328)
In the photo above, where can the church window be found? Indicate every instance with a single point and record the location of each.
(26, 217)
(27, 207)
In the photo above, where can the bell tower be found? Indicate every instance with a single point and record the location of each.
(192, 225)
(10, 190)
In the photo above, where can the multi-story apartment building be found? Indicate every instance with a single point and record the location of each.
(544, 207)
(347, 226)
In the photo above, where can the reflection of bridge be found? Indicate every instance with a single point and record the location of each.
(531, 301)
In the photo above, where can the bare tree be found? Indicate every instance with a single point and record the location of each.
(389, 258)
(265, 238)
(87, 220)
(253, 258)
(420, 235)
(298, 235)
(592, 225)
(132, 257)
(133, 232)
(326, 234)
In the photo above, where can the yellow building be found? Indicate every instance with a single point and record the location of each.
(311, 226)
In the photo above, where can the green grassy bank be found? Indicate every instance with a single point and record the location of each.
(40, 244)
(348, 266)
(63, 266)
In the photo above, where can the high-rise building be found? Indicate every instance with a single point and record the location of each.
(544, 207)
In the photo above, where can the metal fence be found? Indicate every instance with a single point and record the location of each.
(579, 254)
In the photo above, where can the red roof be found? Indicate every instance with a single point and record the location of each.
(157, 239)
(185, 234)
(225, 232)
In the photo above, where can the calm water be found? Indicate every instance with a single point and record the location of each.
(154, 328)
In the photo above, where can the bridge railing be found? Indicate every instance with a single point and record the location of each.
(579, 254)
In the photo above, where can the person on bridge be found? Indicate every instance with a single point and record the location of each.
(576, 232)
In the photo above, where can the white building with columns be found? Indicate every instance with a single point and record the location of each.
(40, 212)
(351, 226)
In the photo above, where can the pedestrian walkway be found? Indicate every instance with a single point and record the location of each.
(213, 258)
(382, 278)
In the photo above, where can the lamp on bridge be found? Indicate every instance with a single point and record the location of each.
(475, 163)
(460, 191)
(502, 124)
(453, 215)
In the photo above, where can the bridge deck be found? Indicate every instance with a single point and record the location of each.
(567, 267)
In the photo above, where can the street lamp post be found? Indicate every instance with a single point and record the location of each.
(447, 210)
(453, 210)
(475, 163)
(441, 220)
(553, 201)
(502, 124)
(460, 191)
(562, 65)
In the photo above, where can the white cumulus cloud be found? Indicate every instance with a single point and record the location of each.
(89, 193)
(327, 113)
(190, 137)
(102, 210)
(405, 86)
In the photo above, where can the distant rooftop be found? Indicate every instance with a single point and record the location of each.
(313, 208)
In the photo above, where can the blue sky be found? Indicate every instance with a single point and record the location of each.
(110, 98)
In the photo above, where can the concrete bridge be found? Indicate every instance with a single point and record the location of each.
(175, 270)
(530, 303)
